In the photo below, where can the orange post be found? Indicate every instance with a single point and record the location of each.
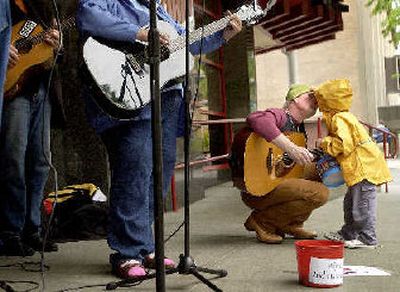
(173, 195)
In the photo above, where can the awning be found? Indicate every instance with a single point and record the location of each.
(294, 24)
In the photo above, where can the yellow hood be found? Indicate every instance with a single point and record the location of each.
(334, 95)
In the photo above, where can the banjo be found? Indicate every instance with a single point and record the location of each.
(120, 71)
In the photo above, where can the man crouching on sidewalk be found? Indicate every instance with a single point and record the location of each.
(285, 209)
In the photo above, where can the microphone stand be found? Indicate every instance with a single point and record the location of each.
(156, 127)
(154, 55)
(186, 263)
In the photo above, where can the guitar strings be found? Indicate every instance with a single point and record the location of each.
(37, 39)
(179, 42)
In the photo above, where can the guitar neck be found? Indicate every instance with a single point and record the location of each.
(202, 32)
(40, 37)
(247, 13)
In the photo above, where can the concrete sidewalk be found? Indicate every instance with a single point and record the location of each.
(219, 240)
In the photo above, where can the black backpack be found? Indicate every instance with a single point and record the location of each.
(78, 215)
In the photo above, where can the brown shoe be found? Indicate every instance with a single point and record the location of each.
(268, 237)
(249, 223)
(299, 232)
(263, 234)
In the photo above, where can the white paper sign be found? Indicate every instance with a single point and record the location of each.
(363, 271)
(326, 271)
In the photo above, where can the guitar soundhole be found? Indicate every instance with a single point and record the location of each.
(270, 161)
(23, 46)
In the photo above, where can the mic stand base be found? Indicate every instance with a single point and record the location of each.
(186, 266)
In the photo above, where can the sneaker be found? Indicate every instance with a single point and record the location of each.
(355, 243)
(36, 243)
(130, 270)
(335, 236)
(150, 262)
(15, 247)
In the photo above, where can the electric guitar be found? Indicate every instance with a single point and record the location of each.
(28, 38)
(259, 166)
(120, 71)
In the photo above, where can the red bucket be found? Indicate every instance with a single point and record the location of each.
(320, 263)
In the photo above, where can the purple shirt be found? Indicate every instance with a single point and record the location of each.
(268, 123)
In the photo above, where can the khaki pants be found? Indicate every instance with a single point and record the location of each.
(288, 205)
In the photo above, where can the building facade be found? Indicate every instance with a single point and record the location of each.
(358, 53)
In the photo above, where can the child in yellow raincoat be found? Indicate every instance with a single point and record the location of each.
(360, 159)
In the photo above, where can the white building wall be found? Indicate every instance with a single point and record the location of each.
(357, 53)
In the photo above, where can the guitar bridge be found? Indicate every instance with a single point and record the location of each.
(136, 66)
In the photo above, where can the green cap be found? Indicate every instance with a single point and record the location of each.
(296, 90)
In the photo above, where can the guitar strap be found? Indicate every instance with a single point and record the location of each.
(302, 128)
(32, 8)
(292, 126)
(21, 6)
(147, 4)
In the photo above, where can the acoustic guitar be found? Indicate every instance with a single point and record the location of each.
(28, 38)
(258, 166)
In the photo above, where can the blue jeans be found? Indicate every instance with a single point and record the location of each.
(129, 148)
(5, 33)
(24, 140)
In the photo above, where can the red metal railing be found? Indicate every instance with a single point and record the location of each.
(387, 148)
(214, 11)
(388, 154)
(174, 201)
(387, 151)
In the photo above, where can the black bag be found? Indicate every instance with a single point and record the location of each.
(77, 214)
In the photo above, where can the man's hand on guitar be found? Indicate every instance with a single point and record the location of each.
(301, 155)
(52, 38)
(234, 27)
(143, 35)
(13, 58)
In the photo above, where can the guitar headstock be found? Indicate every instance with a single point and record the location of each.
(251, 13)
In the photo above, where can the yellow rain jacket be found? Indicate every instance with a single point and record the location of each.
(348, 141)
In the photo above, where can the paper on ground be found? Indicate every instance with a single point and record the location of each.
(363, 271)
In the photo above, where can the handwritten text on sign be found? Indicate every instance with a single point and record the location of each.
(326, 271)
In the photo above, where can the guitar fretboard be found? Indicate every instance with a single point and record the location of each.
(30, 41)
(244, 15)
(198, 34)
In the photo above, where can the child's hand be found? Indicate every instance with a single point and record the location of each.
(318, 143)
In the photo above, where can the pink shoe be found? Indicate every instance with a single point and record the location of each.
(150, 262)
(130, 269)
